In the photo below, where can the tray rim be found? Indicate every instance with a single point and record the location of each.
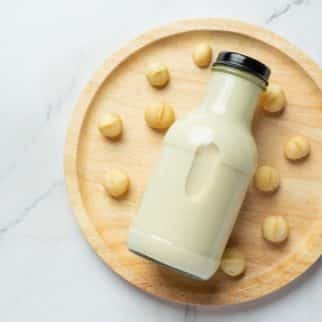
(313, 250)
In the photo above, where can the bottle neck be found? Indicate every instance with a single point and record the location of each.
(233, 94)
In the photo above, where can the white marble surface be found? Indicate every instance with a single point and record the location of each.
(49, 49)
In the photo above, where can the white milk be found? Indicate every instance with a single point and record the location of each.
(195, 193)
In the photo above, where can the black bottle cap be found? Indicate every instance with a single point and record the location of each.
(243, 62)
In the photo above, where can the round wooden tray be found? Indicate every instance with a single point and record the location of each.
(120, 85)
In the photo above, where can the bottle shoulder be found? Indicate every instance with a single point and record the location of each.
(234, 141)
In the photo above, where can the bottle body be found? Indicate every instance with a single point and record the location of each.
(200, 181)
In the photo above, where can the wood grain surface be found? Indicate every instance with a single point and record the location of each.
(120, 86)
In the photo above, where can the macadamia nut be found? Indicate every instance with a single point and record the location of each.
(233, 262)
(297, 148)
(267, 179)
(157, 74)
(275, 229)
(116, 183)
(159, 116)
(273, 100)
(111, 125)
(202, 55)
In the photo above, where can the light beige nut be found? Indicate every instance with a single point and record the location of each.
(273, 99)
(116, 183)
(233, 262)
(157, 74)
(297, 148)
(275, 229)
(159, 116)
(202, 55)
(267, 179)
(110, 125)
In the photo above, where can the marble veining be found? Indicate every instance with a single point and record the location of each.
(278, 13)
(55, 107)
(27, 210)
(43, 69)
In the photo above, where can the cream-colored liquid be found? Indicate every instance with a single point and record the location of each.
(195, 193)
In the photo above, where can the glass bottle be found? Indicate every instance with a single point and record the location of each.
(206, 163)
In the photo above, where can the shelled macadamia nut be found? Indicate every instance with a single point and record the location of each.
(297, 148)
(159, 116)
(273, 99)
(202, 55)
(116, 183)
(267, 179)
(110, 125)
(275, 229)
(233, 262)
(158, 74)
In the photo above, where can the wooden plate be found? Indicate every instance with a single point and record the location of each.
(120, 86)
